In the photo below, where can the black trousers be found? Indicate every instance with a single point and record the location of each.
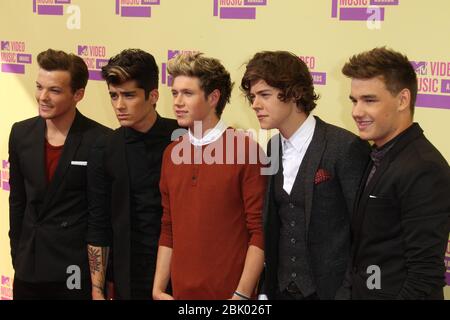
(141, 276)
(23, 290)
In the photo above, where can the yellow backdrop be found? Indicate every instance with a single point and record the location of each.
(323, 32)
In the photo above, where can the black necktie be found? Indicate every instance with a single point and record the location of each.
(376, 155)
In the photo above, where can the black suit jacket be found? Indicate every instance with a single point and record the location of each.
(401, 222)
(109, 201)
(48, 223)
(328, 207)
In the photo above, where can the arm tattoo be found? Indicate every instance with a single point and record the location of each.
(94, 259)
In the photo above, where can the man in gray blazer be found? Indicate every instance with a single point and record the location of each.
(309, 200)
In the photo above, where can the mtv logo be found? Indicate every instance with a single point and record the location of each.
(83, 50)
(5, 45)
(166, 78)
(420, 67)
(172, 53)
(6, 281)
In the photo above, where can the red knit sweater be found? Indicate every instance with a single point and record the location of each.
(212, 213)
(52, 156)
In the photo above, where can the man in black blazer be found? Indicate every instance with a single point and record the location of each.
(309, 198)
(123, 177)
(400, 224)
(48, 155)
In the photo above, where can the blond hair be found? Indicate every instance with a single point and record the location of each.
(211, 73)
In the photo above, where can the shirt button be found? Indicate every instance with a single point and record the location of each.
(293, 275)
(291, 205)
(292, 223)
(293, 241)
(293, 259)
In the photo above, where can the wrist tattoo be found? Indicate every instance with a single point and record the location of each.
(98, 288)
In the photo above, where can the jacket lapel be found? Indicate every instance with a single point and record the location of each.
(269, 214)
(271, 219)
(70, 147)
(314, 155)
(38, 152)
(311, 161)
(365, 192)
(361, 206)
(358, 205)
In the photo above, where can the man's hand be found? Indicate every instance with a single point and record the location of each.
(159, 295)
(97, 293)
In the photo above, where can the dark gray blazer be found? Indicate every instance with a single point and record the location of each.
(328, 207)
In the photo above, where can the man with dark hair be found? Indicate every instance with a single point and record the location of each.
(211, 244)
(48, 155)
(309, 200)
(123, 178)
(400, 227)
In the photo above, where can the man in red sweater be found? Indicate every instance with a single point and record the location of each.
(211, 243)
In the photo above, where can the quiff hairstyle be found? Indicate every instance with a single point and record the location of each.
(132, 64)
(393, 67)
(211, 73)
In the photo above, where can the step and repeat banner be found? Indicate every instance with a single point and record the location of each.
(324, 33)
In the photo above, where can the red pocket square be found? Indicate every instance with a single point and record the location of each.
(322, 175)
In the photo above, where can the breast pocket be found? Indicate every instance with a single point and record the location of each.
(382, 213)
(76, 175)
(377, 201)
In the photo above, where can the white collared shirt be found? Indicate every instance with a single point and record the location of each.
(210, 136)
(294, 150)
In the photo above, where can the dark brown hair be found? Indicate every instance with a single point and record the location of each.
(285, 71)
(132, 64)
(394, 68)
(51, 60)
